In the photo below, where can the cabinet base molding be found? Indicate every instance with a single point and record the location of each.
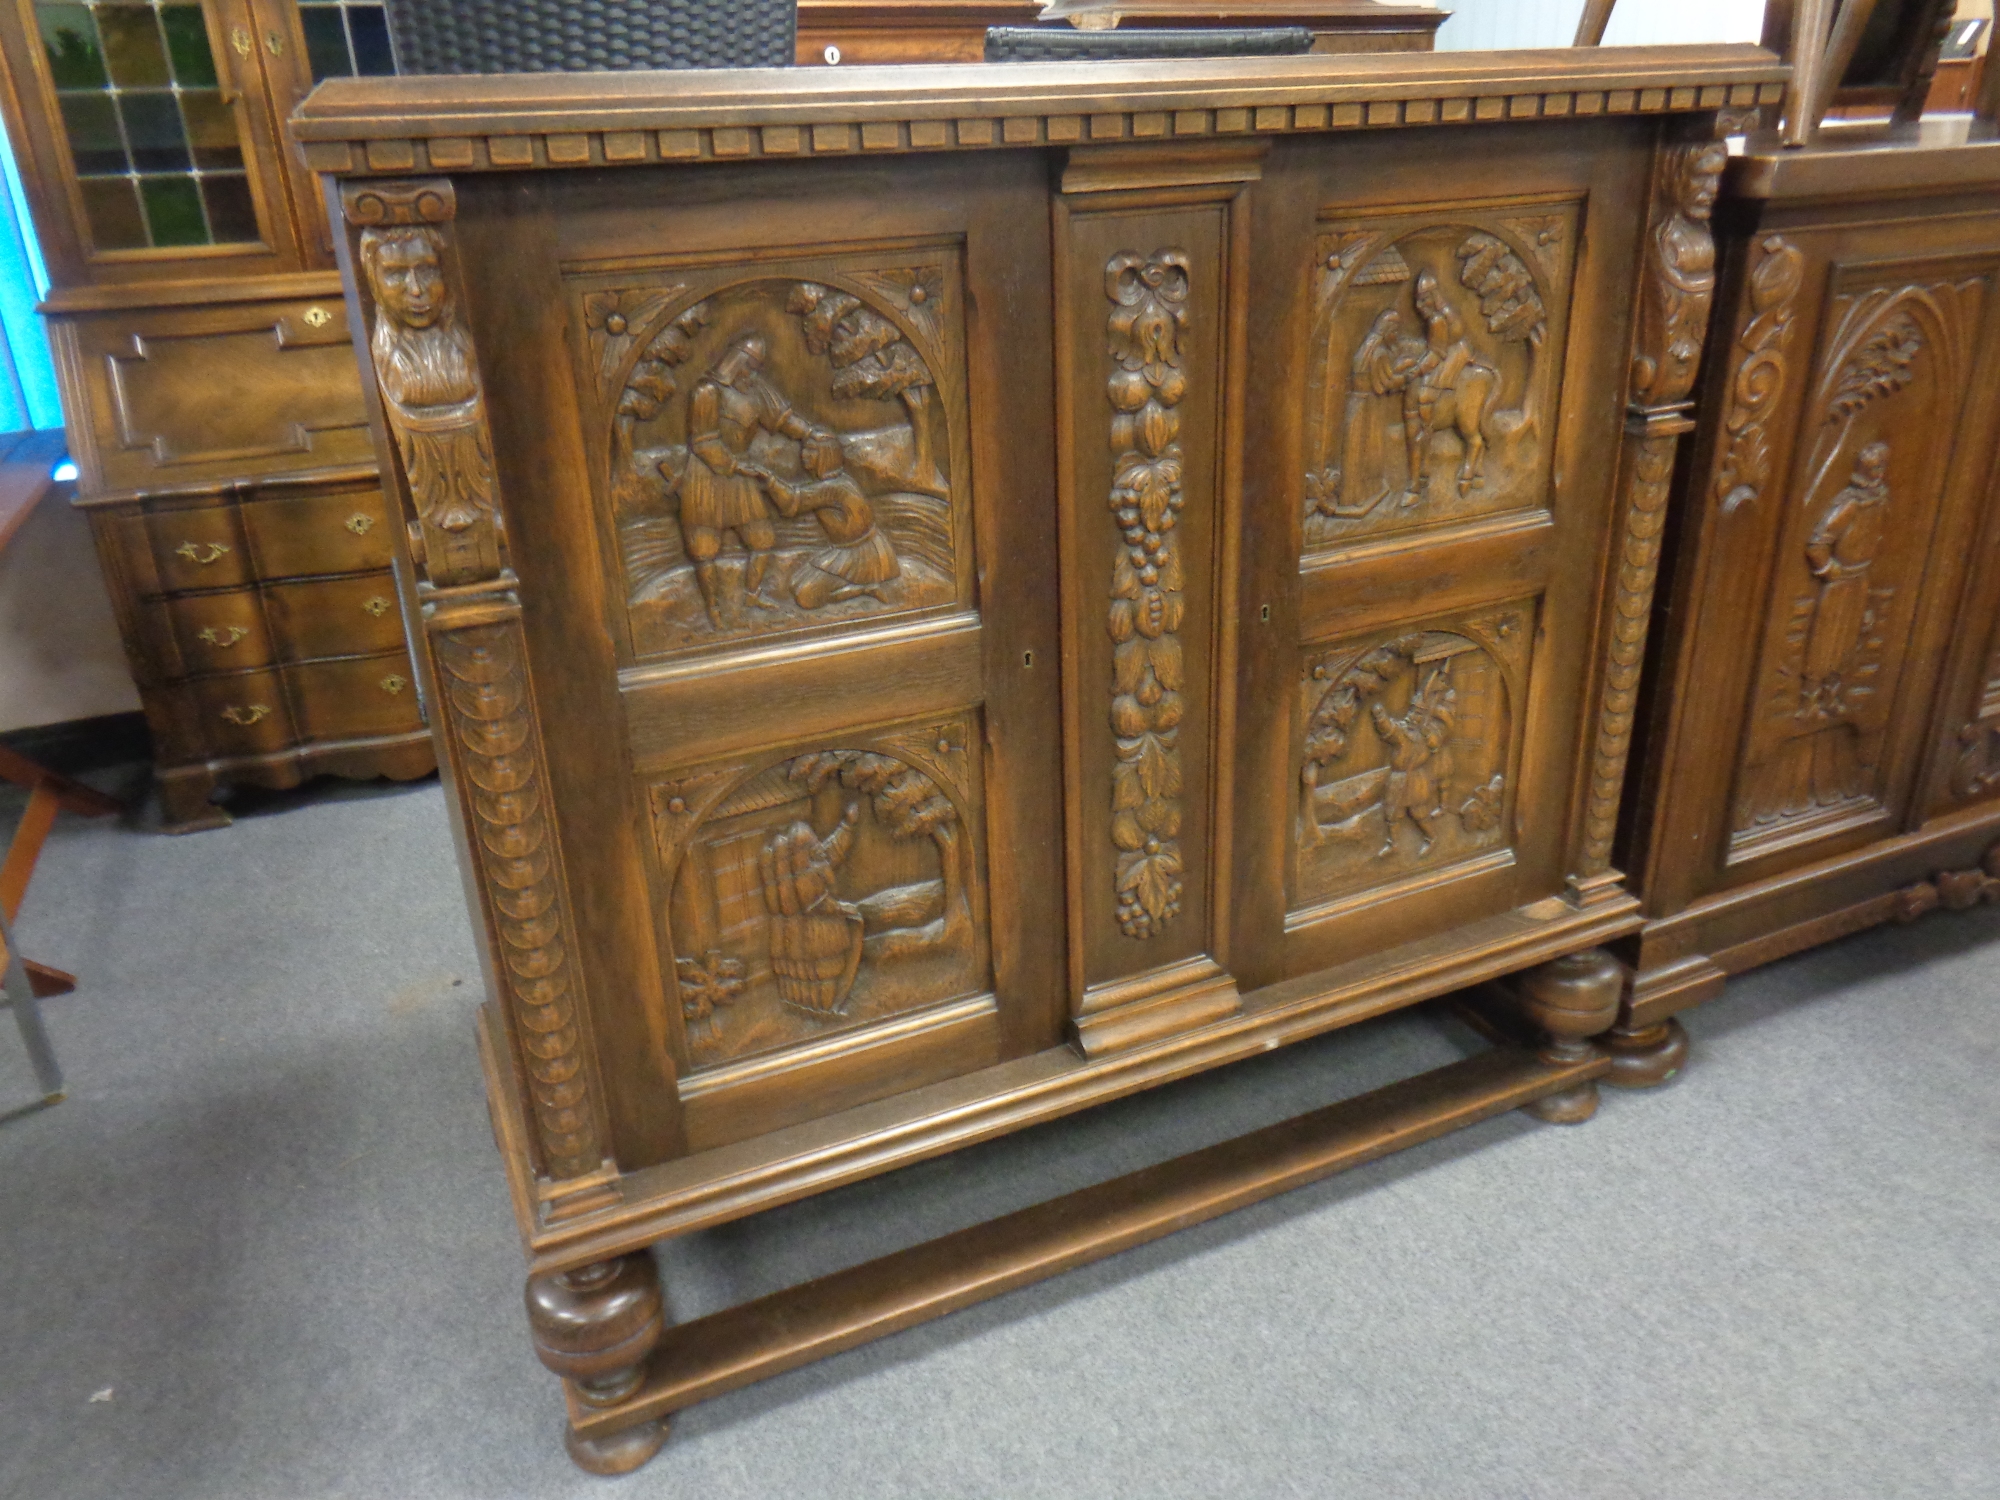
(742, 1345)
(186, 792)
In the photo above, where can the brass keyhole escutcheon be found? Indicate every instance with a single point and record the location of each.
(247, 715)
(317, 317)
(378, 606)
(394, 684)
(274, 44)
(240, 39)
(360, 524)
(201, 555)
(224, 636)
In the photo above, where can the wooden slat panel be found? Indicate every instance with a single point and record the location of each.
(1505, 558)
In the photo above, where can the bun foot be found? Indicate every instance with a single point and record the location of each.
(1570, 1107)
(1647, 1057)
(618, 1452)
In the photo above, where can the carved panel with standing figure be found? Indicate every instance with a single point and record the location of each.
(780, 448)
(1408, 760)
(1850, 556)
(817, 891)
(1436, 352)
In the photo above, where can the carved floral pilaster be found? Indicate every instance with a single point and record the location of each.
(1677, 289)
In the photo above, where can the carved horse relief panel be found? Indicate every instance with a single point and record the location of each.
(1874, 447)
(1435, 374)
(818, 891)
(781, 452)
(1408, 756)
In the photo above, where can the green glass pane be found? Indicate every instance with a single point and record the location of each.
(326, 42)
(91, 123)
(153, 130)
(173, 209)
(113, 210)
(70, 38)
(133, 48)
(368, 33)
(211, 131)
(187, 44)
(232, 215)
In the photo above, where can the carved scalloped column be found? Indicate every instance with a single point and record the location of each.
(1676, 290)
(482, 690)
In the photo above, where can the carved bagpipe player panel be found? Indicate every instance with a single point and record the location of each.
(1409, 751)
(1436, 344)
(814, 891)
(781, 454)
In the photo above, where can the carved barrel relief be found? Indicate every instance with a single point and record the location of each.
(822, 891)
(780, 453)
(1149, 379)
(1874, 437)
(1434, 369)
(1409, 752)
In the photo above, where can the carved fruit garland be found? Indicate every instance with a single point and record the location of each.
(1149, 297)
(487, 689)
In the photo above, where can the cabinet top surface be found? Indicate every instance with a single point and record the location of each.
(1863, 159)
(556, 119)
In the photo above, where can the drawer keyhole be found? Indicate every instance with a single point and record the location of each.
(198, 554)
(317, 317)
(394, 684)
(225, 636)
(360, 525)
(378, 606)
(247, 715)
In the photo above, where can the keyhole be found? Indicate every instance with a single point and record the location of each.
(1027, 658)
(1264, 614)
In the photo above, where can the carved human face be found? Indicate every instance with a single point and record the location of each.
(408, 279)
(1704, 175)
(1429, 301)
(1872, 463)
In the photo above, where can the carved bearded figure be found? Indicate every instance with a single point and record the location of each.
(429, 384)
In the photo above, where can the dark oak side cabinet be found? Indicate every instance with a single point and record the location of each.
(1822, 751)
(953, 594)
(213, 403)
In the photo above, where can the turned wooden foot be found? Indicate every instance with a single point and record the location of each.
(1570, 998)
(1647, 1056)
(595, 1327)
(184, 802)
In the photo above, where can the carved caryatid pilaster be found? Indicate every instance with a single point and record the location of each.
(428, 378)
(1149, 310)
(1676, 291)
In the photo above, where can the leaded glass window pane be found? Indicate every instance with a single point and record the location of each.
(158, 156)
(346, 37)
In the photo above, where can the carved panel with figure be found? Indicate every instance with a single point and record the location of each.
(1408, 760)
(780, 443)
(1851, 554)
(818, 891)
(1436, 353)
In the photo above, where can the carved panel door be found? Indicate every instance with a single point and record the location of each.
(1439, 349)
(1842, 498)
(814, 734)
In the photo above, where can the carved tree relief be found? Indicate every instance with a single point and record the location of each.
(1429, 380)
(1406, 763)
(1149, 380)
(822, 892)
(779, 449)
(1871, 455)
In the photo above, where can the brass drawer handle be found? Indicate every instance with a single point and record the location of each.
(378, 606)
(360, 524)
(201, 556)
(394, 684)
(246, 716)
(239, 38)
(225, 637)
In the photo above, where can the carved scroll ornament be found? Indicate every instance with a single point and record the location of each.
(1759, 378)
(1149, 311)
(428, 379)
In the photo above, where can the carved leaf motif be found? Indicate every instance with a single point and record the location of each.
(915, 291)
(1149, 312)
(1544, 234)
(616, 319)
(1505, 286)
(1760, 373)
(1883, 365)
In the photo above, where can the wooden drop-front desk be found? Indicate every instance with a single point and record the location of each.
(955, 594)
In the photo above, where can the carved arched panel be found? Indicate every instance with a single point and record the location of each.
(810, 893)
(1408, 756)
(1869, 470)
(783, 444)
(1435, 368)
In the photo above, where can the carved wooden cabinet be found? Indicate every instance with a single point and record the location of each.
(953, 594)
(1822, 738)
(209, 384)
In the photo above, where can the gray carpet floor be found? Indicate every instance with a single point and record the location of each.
(264, 1249)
